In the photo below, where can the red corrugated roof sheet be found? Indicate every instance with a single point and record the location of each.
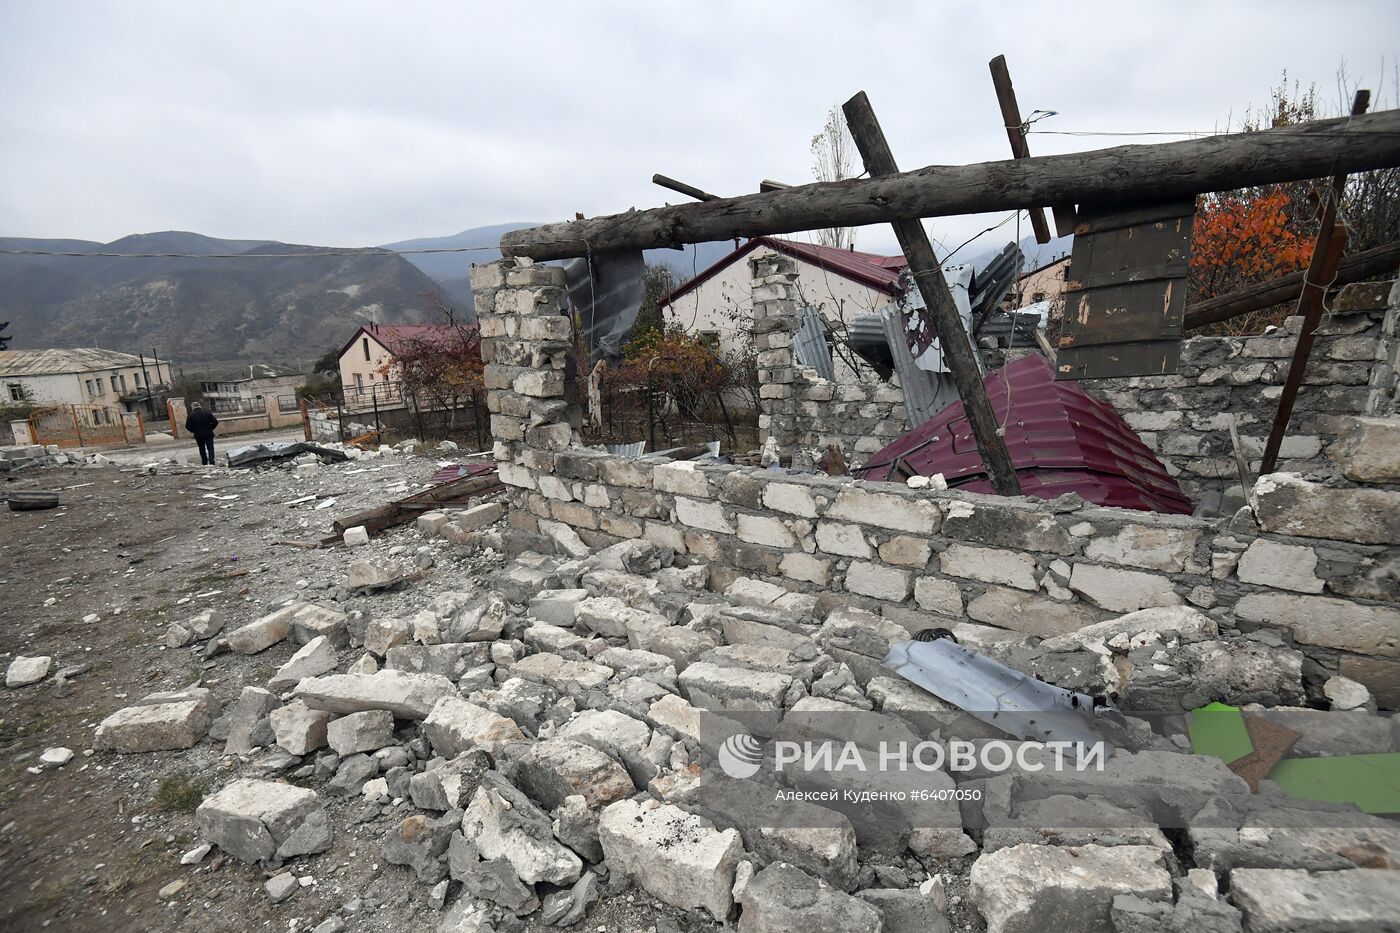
(878, 272)
(1060, 440)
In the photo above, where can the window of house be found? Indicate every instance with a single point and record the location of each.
(16, 392)
(710, 338)
(365, 341)
(123, 384)
(90, 389)
(114, 382)
(359, 380)
(1037, 296)
(136, 378)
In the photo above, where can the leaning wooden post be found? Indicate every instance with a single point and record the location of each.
(928, 276)
(1327, 253)
(1015, 133)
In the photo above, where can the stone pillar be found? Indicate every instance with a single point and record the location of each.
(775, 321)
(20, 429)
(526, 339)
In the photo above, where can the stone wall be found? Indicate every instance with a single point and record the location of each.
(1321, 565)
(1186, 417)
(859, 417)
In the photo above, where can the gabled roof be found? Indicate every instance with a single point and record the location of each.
(61, 362)
(875, 271)
(397, 337)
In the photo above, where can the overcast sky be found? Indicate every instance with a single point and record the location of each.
(357, 123)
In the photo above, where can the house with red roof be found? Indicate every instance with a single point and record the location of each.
(367, 359)
(717, 303)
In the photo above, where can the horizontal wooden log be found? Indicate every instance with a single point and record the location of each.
(410, 507)
(1383, 260)
(1123, 173)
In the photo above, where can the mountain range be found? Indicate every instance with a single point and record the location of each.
(274, 302)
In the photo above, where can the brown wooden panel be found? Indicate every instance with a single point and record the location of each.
(1125, 294)
(1145, 358)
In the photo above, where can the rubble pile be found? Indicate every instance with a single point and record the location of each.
(556, 738)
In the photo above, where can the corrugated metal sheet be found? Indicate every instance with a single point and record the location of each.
(809, 344)
(1125, 292)
(606, 293)
(1059, 438)
(925, 393)
(59, 362)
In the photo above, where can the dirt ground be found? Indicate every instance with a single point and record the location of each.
(90, 846)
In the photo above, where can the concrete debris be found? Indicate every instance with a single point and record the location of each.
(1296, 901)
(679, 858)
(375, 573)
(24, 671)
(249, 819)
(784, 898)
(361, 732)
(420, 843)
(298, 728)
(407, 696)
(1031, 888)
(312, 659)
(501, 822)
(249, 724)
(455, 726)
(160, 722)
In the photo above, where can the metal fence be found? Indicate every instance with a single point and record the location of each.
(386, 410)
(84, 426)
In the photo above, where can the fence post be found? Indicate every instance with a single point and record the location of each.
(340, 417)
(305, 420)
(374, 400)
(418, 417)
(77, 429)
(476, 419)
(651, 412)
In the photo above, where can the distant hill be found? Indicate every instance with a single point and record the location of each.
(282, 303)
(288, 303)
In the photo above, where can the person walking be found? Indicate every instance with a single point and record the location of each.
(201, 424)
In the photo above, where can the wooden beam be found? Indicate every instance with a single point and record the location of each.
(681, 187)
(1382, 260)
(769, 184)
(1123, 173)
(1011, 119)
(927, 273)
(1326, 254)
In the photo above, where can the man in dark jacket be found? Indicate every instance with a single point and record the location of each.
(201, 424)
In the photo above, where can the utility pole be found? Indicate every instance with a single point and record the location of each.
(928, 276)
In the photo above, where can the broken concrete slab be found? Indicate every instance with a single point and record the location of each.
(249, 726)
(905, 911)
(558, 768)
(733, 689)
(448, 785)
(261, 634)
(1296, 901)
(454, 726)
(160, 722)
(361, 732)
(679, 858)
(569, 677)
(502, 822)
(407, 696)
(817, 840)
(249, 818)
(312, 659)
(1032, 888)
(782, 898)
(24, 671)
(298, 728)
(375, 573)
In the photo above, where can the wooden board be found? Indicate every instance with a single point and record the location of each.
(1125, 293)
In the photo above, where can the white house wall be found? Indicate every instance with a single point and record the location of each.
(71, 388)
(723, 304)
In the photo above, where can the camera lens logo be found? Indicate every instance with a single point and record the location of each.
(741, 755)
